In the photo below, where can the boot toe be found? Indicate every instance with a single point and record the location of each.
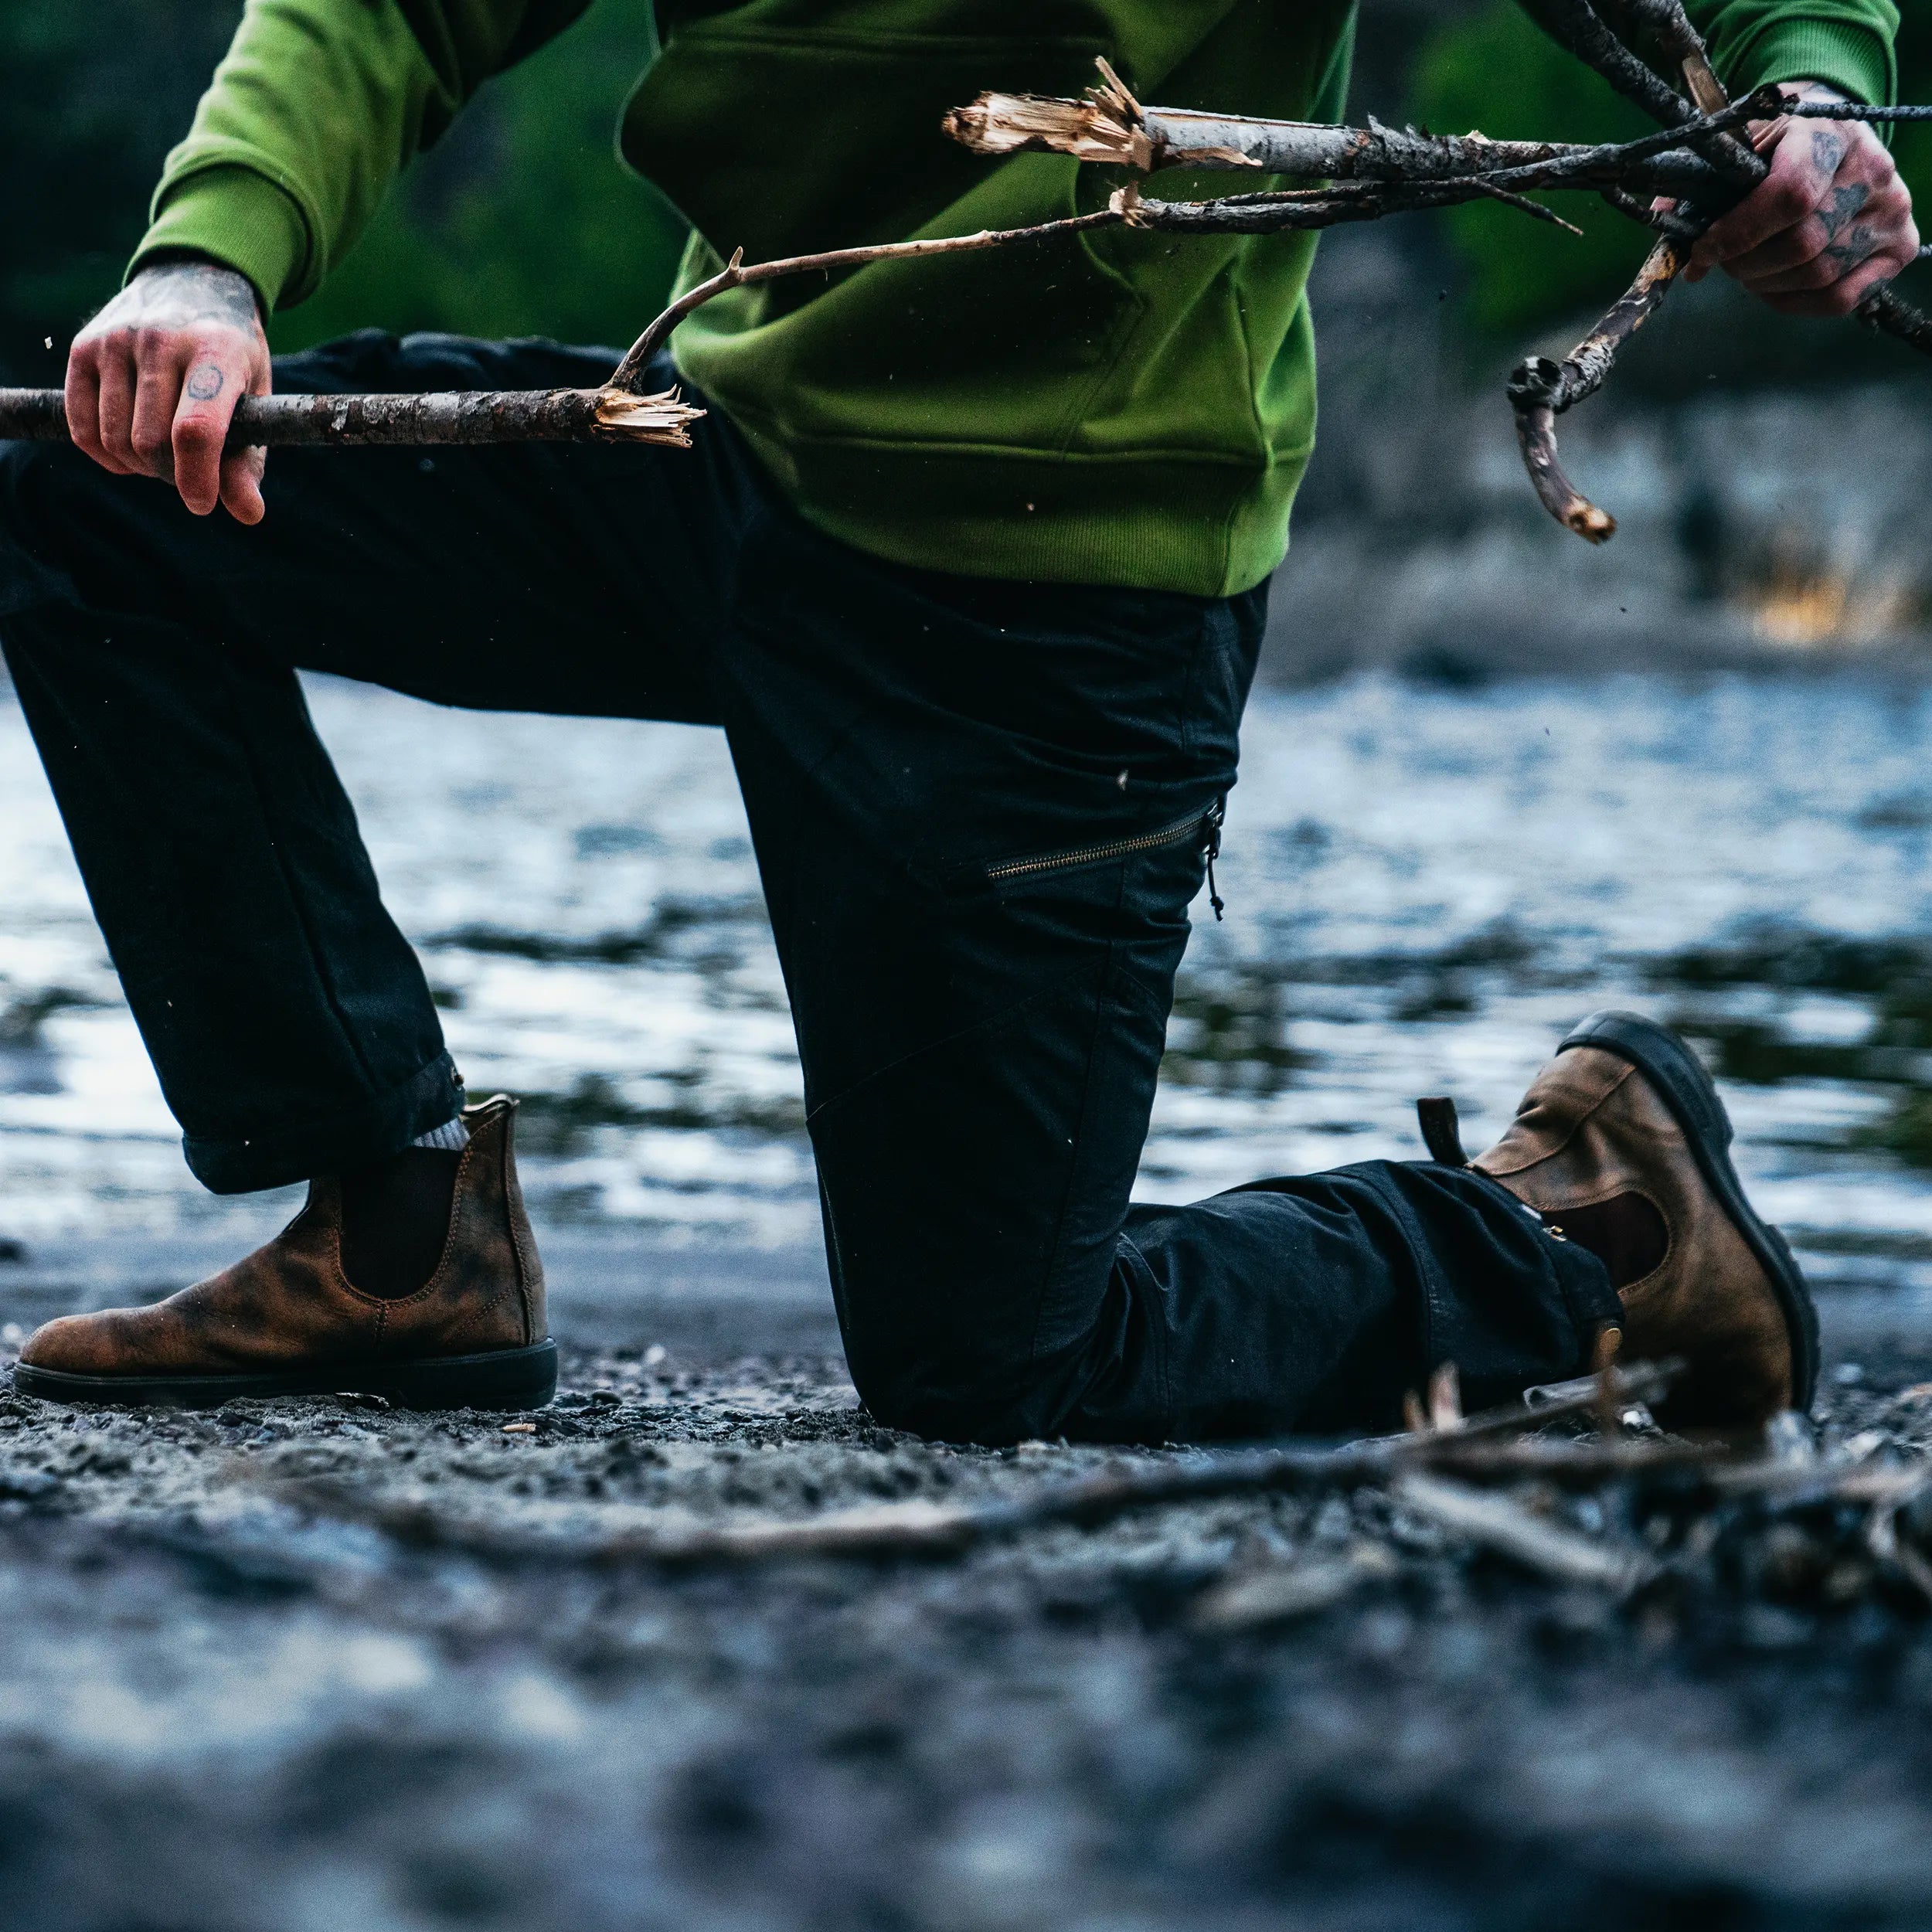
(73, 1344)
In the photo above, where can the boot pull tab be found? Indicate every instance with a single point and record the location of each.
(1439, 1131)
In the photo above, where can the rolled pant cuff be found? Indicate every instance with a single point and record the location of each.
(299, 1151)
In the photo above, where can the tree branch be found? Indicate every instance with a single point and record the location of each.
(734, 274)
(1105, 127)
(429, 419)
(1540, 390)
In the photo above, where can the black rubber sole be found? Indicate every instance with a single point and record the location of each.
(503, 1378)
(1678, 1074)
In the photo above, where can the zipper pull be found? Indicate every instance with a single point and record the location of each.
(1217, 812)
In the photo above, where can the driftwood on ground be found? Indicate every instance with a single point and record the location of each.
(1491, 1483)
(1478, 1448)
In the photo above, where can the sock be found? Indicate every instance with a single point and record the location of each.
(451, 1137)
(395, 1218)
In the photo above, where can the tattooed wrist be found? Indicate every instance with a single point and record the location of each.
(181, 295)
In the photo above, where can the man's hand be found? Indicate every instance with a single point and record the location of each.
(1829, 221)
(153, 380)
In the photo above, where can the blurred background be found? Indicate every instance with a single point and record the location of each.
(1494, 777)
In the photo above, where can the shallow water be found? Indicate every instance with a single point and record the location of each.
(1423, 885)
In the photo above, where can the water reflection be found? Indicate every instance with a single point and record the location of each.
(1423, 885)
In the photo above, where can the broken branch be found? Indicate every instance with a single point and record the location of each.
(432, 418)
(1287, 210)
(1540, 390)
(1099, 128)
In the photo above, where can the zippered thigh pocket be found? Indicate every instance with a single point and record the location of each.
(1205, 825)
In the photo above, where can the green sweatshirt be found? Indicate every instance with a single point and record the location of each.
(1122, 407)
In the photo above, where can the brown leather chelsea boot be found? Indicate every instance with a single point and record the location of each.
(287, 1321)
(1623, 1134)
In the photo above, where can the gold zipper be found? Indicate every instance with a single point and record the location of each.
(1210, 820)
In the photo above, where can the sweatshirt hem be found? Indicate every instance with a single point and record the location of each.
(1204, 525)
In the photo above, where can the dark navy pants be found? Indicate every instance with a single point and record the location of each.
(980, 809)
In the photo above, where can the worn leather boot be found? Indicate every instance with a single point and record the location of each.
(1624, 1125)
(286, 1320)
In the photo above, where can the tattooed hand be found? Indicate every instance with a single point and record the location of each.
(154, 379)
(1830, 221)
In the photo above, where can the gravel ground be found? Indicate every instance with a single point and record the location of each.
(221, 1709)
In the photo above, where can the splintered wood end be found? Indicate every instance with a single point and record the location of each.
(1104, 126)
(662, 419)
(998, 123)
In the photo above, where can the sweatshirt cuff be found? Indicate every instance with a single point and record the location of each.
(236, 217)
(1856, 60)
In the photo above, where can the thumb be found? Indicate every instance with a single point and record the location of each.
(215, 380)
(241, 469)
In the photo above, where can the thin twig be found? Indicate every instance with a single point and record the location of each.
(945, 1530)
(735, 274)
(1507, 1528)
(1541, 389)
(1648, 216)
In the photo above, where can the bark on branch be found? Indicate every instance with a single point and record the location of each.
(432, 418)
(1109, 126)
(1540, 390)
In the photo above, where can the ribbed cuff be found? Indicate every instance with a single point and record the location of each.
(1856, 60)
(236, 217)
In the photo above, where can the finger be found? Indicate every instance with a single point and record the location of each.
(1842, 297)
(1821, 273)
(83, 398)
(241, 470)
(158, 362)
(117, 409)
(1800, 172)
(216, 378)
(1791, 250)
(1845, 295)
(241, 484)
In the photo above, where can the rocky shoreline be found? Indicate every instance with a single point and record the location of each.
(227, 1707)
